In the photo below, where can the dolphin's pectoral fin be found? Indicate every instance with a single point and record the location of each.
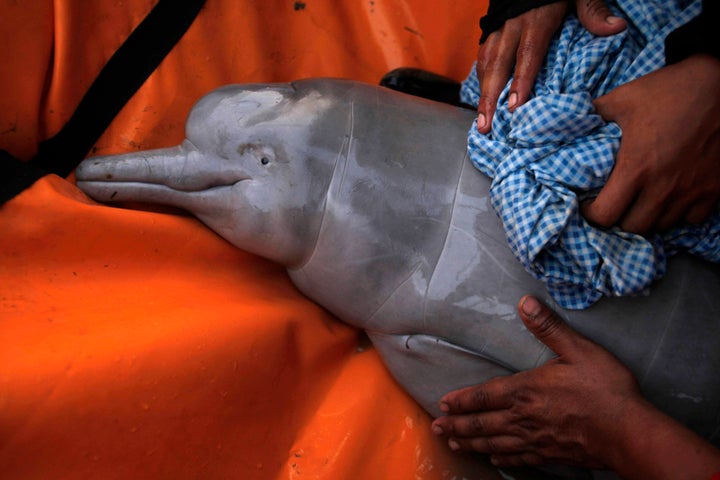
(428, 367)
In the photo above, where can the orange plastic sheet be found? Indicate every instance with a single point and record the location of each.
(138, 344)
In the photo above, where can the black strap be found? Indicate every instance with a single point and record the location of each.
(16, 176)
(118, 81)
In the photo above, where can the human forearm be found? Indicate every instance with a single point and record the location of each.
(649, 444)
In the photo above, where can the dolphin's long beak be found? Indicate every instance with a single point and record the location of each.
(167, 175)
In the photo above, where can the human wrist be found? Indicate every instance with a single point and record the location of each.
(703, 64)
(623, 432)
(650, 444)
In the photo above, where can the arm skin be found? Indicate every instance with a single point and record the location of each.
(521, 44)
(582, 408)
(667, 169)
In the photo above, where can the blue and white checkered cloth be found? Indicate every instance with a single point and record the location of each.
(555, 150)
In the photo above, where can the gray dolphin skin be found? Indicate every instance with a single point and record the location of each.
(366, 195)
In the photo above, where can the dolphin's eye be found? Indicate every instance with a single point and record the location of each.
(257, 152)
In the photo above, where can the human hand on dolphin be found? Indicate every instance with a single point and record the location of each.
(521, 43)
(582, 408)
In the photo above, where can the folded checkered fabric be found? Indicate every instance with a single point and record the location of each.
(555, 151)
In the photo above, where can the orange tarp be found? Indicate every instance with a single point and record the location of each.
(138, 344)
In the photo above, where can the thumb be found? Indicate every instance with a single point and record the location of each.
(614, 106)
(598, 19)
(548, 327)
(604, 107)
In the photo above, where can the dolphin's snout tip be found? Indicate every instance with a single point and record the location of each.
(93, 169)
(105, 178)
(81, 172)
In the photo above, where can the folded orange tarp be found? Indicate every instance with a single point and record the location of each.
(138, 344)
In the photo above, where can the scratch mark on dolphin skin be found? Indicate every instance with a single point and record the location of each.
(671, 319)
(392, 293)
(484, 249)
(349, 143)
(148, 165)
(339, 168)
(685, 396)
(367, 259)
(445, 240)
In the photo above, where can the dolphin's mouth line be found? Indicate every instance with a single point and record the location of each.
(129, 184)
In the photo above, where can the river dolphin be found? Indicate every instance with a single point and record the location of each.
(367, 197)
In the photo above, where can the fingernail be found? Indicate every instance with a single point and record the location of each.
(512, 100)
(454, 446)
(481, 120)
(494, 461)
(531, 307)
(444, 407)
(437, 430)
(612, 20)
